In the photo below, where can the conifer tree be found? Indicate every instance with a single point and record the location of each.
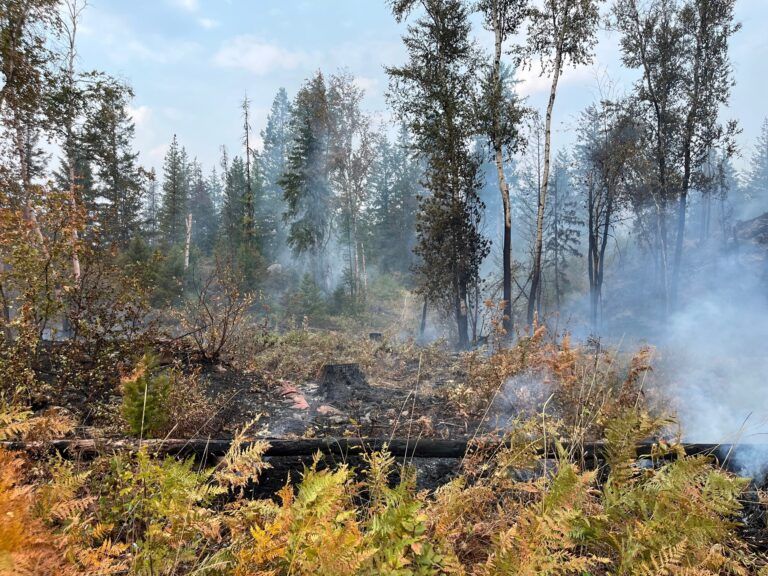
(110, 133)
(202, 209)
(175, 199)
(306, 181)
(151, 208)
(562, 239)
(276, 137)
(433, 92)
(232, 210)
(757, 174)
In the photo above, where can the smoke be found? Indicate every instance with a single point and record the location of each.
(715, 356)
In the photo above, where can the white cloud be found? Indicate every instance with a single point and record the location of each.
(533, 82)
(368, 85)
(257, 56)
(188, 5)
(208, 23)
(140, 115)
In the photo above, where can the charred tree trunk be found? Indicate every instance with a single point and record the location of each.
(423, 325)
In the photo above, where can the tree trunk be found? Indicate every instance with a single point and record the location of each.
(423, 326)
(507, 321)
(187, 241)
(74, 235)
(538, 247)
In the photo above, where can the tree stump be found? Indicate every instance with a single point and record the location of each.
(340, 383)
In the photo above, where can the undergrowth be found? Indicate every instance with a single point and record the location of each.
(526, 501)
(510, 512)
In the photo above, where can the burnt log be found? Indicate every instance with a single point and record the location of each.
(282, 447)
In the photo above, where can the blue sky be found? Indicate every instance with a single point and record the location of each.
(191, 61)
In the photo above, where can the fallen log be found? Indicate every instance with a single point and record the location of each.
(282, 447)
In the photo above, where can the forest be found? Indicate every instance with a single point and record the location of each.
(444, 339)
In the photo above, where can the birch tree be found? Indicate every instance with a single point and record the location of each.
(560, 33)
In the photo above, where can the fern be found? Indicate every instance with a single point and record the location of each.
(14, 422)
(242, 463)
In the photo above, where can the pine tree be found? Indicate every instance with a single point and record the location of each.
(273, 161)
(201, 207)
(173, 211)
(306, 181)
(110, 132)
(756, 185)
(232, 210)
(563, 233)
(395, 178)
(249, 227)
(151, 208)
(433, 93)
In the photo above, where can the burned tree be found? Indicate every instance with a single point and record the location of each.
(608, 143)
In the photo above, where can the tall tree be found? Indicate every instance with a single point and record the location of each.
(274, 157)
(204, 221)
(351, 157)
(175, 200)
(564, 231)
(232, 210)
(151, 208)
(708, 76)
(109, 134)
(249, 228)
(394, 183)
(757, 174)
(561, 32)
(306, 181)
(434, 94)
(681, 48)
(607, 147)
(500, 114)
(26, 27)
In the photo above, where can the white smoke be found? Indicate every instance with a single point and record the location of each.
(717, 357)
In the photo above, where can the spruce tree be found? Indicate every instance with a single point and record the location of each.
(306, 181)
(173, 211)
(273, 160)
(757, 174)
(110, 132)
(433, 92)
(202, 209)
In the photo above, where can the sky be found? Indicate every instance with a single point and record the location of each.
(190, 62)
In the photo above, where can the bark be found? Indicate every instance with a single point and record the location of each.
(507, 322)
(423, 325)
(462, 322)
(188, 241)
(538, 247)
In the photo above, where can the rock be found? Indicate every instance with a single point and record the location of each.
(326, 410)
